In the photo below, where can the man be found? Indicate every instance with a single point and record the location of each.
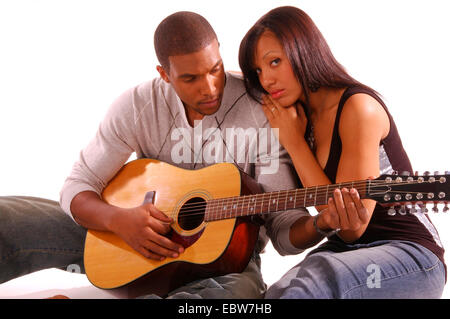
(193, 97)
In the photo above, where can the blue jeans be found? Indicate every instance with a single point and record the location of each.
(36, 234)
(385, 269)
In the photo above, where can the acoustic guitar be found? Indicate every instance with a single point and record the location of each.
(216, 212)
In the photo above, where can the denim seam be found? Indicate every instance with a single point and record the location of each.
(45, 250)
(393, 277)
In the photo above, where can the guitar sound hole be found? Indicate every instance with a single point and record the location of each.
(192, 213)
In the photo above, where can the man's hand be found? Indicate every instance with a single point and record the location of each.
(144, 229)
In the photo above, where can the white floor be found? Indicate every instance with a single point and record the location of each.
(50, 282)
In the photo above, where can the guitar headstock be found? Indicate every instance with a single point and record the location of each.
(411, 193)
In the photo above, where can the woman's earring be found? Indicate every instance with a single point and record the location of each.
(313, 87)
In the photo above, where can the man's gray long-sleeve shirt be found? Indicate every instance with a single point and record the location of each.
(150, 120)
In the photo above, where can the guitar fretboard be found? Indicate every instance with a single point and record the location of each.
(232, 207)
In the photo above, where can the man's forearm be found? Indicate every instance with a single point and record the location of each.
(91, 212)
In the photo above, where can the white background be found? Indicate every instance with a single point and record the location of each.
(63, 62)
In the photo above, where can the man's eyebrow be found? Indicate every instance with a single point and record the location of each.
(189, 75)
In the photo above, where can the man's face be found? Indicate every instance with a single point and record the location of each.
(199, 79)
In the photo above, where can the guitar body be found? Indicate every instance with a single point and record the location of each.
(212, 248)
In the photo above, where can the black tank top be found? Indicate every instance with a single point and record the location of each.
(410, 227)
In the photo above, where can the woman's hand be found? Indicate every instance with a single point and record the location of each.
(345, 212)
(289, 122)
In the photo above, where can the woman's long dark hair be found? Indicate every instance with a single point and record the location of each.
(309, 54)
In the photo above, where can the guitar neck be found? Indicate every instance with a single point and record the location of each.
(232, 207)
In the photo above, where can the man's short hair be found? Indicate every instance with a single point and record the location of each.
(181, 33)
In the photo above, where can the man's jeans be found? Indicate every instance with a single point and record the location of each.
(36, 234)
(382, 269)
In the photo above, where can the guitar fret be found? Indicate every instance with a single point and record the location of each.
(262, 204)
(295, 198)
(270, 199)
(225, 207)
(315, 196)
(285, 201)
(206, 211)
(278, 200)
(304, 200)
(216, 210)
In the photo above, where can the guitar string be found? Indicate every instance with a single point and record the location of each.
(282, 193)
(285, 193)
(199, 207)
(219, 202)
(183, 218)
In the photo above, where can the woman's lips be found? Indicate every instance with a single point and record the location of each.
(276, 94)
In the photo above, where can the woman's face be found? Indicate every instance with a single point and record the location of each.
(275, 72)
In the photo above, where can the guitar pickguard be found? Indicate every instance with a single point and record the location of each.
(185, 241)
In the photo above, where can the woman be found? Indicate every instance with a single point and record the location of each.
(337, 129)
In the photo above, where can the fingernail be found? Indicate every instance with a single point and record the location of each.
(175, 255)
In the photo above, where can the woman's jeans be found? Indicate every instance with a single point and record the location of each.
(382, 269)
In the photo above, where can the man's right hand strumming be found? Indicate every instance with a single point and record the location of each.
(143, 227)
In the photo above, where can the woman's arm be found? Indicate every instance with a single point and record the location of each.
(363, 124)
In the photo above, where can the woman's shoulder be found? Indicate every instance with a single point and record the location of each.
(363, 111)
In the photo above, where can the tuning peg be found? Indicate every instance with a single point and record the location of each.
(405, 173)
(437, 173)
(416, 173)
(445, 209)
(422, 208)
(391, 211)
(409, 208)
(402, 210)
(435, 209)
(447, 172)
(426, 173)
(413, 210)
(394, 173)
